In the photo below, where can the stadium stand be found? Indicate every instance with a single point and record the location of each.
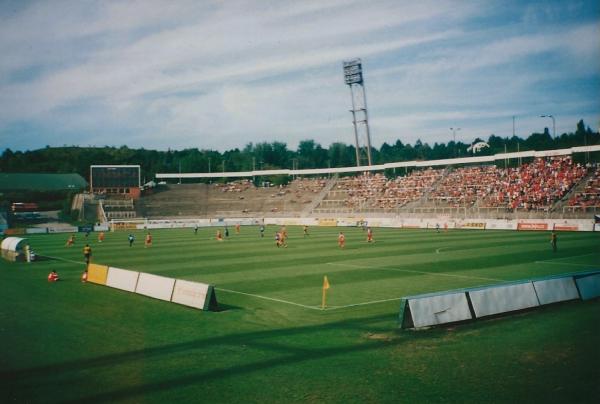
(366, 191)
(537, 188)
(237, 198)
(589, 197)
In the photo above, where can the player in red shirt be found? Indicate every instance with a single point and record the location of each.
(53, 276)
(148, 241)
(342, 240)
(369, 235)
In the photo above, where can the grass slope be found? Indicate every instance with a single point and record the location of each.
(82, 342)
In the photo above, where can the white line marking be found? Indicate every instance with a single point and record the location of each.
(269, 298)
(415, 272)
(564, 263)
(363, 304)
(61, 259)
(568, 258)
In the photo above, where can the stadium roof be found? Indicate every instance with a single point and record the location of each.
(41, 182)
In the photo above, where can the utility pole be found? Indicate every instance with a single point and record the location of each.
(553, 124)
(454, 130)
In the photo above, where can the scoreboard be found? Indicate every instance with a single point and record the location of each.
(117, 179)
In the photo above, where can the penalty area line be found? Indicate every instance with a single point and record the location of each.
(269, 298)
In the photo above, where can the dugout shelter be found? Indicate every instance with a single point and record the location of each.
(14, 249)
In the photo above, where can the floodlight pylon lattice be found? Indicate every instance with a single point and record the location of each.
(353, 77)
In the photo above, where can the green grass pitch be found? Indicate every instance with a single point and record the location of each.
(272, 342)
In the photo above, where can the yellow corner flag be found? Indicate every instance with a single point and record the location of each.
(325, 287)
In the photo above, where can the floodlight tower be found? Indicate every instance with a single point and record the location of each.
(360, 116)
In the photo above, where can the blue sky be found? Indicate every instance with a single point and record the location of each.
(221, 74)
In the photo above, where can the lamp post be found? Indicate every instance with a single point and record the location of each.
(454, 130)
(553, 124)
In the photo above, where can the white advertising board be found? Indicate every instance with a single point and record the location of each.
(192, 294)
(556, 290)
(502, 299)
(589, 286)
(122, 279)
(36, 230)
(155, 286)
(427, 311)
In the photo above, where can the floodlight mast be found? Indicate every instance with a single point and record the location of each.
(360, 116)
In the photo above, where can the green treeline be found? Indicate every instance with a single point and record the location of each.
(269, 155)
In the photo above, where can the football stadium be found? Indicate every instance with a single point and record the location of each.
(430, 286)
(370, 272)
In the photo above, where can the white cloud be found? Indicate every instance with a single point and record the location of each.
(226, 73)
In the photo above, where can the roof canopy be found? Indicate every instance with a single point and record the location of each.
(41, 182)
(12, 243)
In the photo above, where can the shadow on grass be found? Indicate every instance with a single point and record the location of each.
(70, 372)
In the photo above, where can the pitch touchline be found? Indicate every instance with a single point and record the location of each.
(415, 271)
(269, 298)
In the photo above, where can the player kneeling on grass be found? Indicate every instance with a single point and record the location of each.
(53, 276)
(148, 241)
(342, 240)
(219, 235)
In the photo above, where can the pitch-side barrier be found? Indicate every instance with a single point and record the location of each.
(192, 294)
(442, 222)
(469, 304)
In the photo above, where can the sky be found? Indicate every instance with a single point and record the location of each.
(221, 74)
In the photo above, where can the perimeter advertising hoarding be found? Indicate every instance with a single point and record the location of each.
(532, 226)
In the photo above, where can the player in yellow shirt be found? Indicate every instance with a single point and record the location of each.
(87, 254)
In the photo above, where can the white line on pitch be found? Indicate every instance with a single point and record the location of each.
(363, 304)
(269, 298)
(568, 258)
(61, 259)
(415, 272)
(564, 263)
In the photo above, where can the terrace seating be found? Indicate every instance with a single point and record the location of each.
(235, 198)
(590, 196)
(368, 191)
(535, 186)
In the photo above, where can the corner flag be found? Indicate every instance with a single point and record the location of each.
(325, 287)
